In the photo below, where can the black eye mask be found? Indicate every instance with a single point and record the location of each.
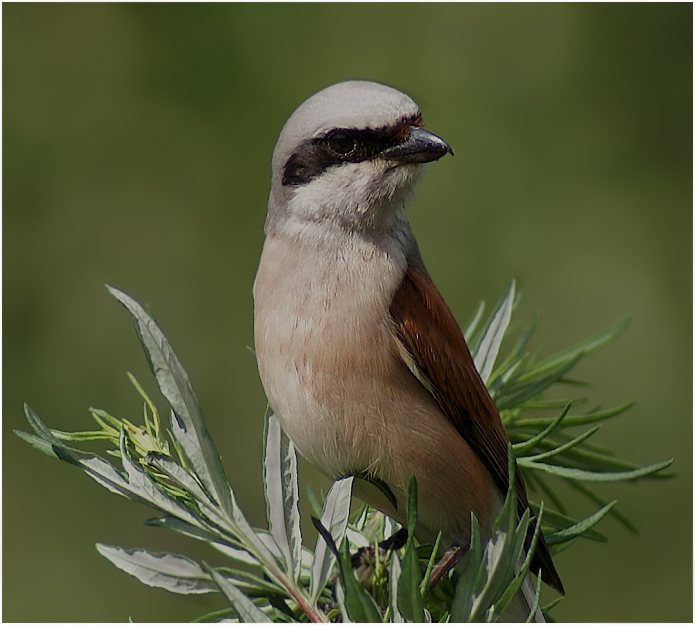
(342, 145)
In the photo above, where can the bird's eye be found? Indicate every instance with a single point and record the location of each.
(341, 143)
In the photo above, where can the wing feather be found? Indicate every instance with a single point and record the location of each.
(440, 359)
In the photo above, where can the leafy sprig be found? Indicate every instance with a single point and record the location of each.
(178, 472)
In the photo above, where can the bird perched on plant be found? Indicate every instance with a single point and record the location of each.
(361, 359)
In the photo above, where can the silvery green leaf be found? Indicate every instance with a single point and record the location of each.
(184, 480)
(208, 534)
(360, 605)
(504, 374)
(362, 519)
(520, 448)
(488, 573)
(409, 598)
(473, 323)
(37, 442)
(390, 526)
(177, 474)
(145, 487)
(250, 584)
(549, 606)
(588, 492)
(261, 545)
(489, 345)
(313, 500)
(282, 494)
(580, 528)
(565, 446)
(104, 472)
(535, 604)
(518, 393)
(174, 573)
(247, 610)
(340, 600)
(356, 603)
(96, 467)
(334, 518)
(553, 404)
(40, 427)
(470, 578)
(594, 476)
(496, 561)
(187, 425)
(235, 553)
(603, 462)
(356, 539)
(591, 416)
(558, 522)
(394, 577)
(520, 565)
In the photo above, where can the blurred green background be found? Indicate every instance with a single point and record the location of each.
(137, 141)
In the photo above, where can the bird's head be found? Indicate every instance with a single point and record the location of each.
(349, 156)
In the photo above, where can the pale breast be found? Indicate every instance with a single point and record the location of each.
(330, 365)
(318, 324)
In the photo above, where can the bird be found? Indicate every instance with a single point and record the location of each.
(361, 359)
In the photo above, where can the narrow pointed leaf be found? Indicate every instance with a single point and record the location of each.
(593, 476)
(252, 541)
(487, 350)
(536, 600)
(602, 462)
(187, 425)
(359, 603)
(519, 545)
(588, 492)
(247, 610)
(356, 604)
(469, 579)
(473, 323)
(557, 522)
(93, 465)
(145, 487)
(574, 420)
(174, 573)
(394, 579)
(409, 597)
(37, 443)
(38, 425)
(520, 393)
(334, 518)
(565, 447)
(520, 448)
(210, 535)
(282, 494)
(430, 565)
(241, 555)
(340, 600)
(250, 584)
(580, 528)
(178, 475)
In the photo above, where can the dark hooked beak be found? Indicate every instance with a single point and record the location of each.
(421, 146)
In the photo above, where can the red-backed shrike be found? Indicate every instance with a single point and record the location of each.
(361, 359)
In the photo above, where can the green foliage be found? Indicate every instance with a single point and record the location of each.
(178, 473)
